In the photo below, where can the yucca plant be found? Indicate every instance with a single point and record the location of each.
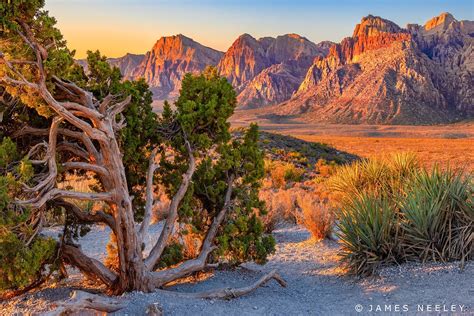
(437, 216)
(379, 176)
(391, 210)
(368, 233)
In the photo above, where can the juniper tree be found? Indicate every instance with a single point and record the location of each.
(211, 179)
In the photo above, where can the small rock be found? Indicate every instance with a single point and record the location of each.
(154, 309)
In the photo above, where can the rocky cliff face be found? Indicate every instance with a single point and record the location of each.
(450, 46)
(264, 71)
(386, 74)
(127, 63)
(169, 60)
(268, 70)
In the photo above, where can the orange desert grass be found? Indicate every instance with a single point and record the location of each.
(456, 153)
(316, 216)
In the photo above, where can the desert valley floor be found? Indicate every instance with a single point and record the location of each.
(449, 144)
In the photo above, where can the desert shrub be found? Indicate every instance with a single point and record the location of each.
(282, 173)
(415, 215)
(325, 168)
(280, 206)
(298, 205)
(316, 216)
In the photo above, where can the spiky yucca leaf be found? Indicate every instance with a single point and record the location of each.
(437, 216)
(367, 230)
(379, 176)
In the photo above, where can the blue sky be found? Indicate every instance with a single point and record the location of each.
(119, 26)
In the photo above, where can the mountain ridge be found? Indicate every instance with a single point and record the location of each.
(382, 74)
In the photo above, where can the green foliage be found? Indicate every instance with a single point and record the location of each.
(368, 229)
(8, 152)
(391, 210)
(60, 61)
(172, 254)
(20, 263)
(437, 216)
(201, 113)
(205, 104)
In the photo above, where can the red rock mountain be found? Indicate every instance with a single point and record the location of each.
(382, 74)
(268, 70)
(386, 74)
(170, 58)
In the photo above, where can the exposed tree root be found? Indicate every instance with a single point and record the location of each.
(229, 293)
(82, 302)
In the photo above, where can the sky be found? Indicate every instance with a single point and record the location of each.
(117, 27)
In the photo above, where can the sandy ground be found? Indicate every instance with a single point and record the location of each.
(316, 286)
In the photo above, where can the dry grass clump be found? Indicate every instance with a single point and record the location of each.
(161, 207)
(283, 173)
(316, 216)
(391, 210)
(325, 168)
(112, 259)
(281, 206)
(300, 204)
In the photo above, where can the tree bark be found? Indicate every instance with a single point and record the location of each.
(132, 272)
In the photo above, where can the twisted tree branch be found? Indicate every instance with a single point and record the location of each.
(165, 234)
(152, 166)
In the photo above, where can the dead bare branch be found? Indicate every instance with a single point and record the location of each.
(152, 166)
(89, 266)
(83, 216)
(85, 166)
(165, 234)
(230, 293)
(92, 154)
(75, 93)
(118, 107)
(74, 149)
(84, 303)
(57, 193)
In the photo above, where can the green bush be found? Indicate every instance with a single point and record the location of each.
(391, 210)
(20, 264)
(23, 256)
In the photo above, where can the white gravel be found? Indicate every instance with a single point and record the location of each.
(316, 286)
